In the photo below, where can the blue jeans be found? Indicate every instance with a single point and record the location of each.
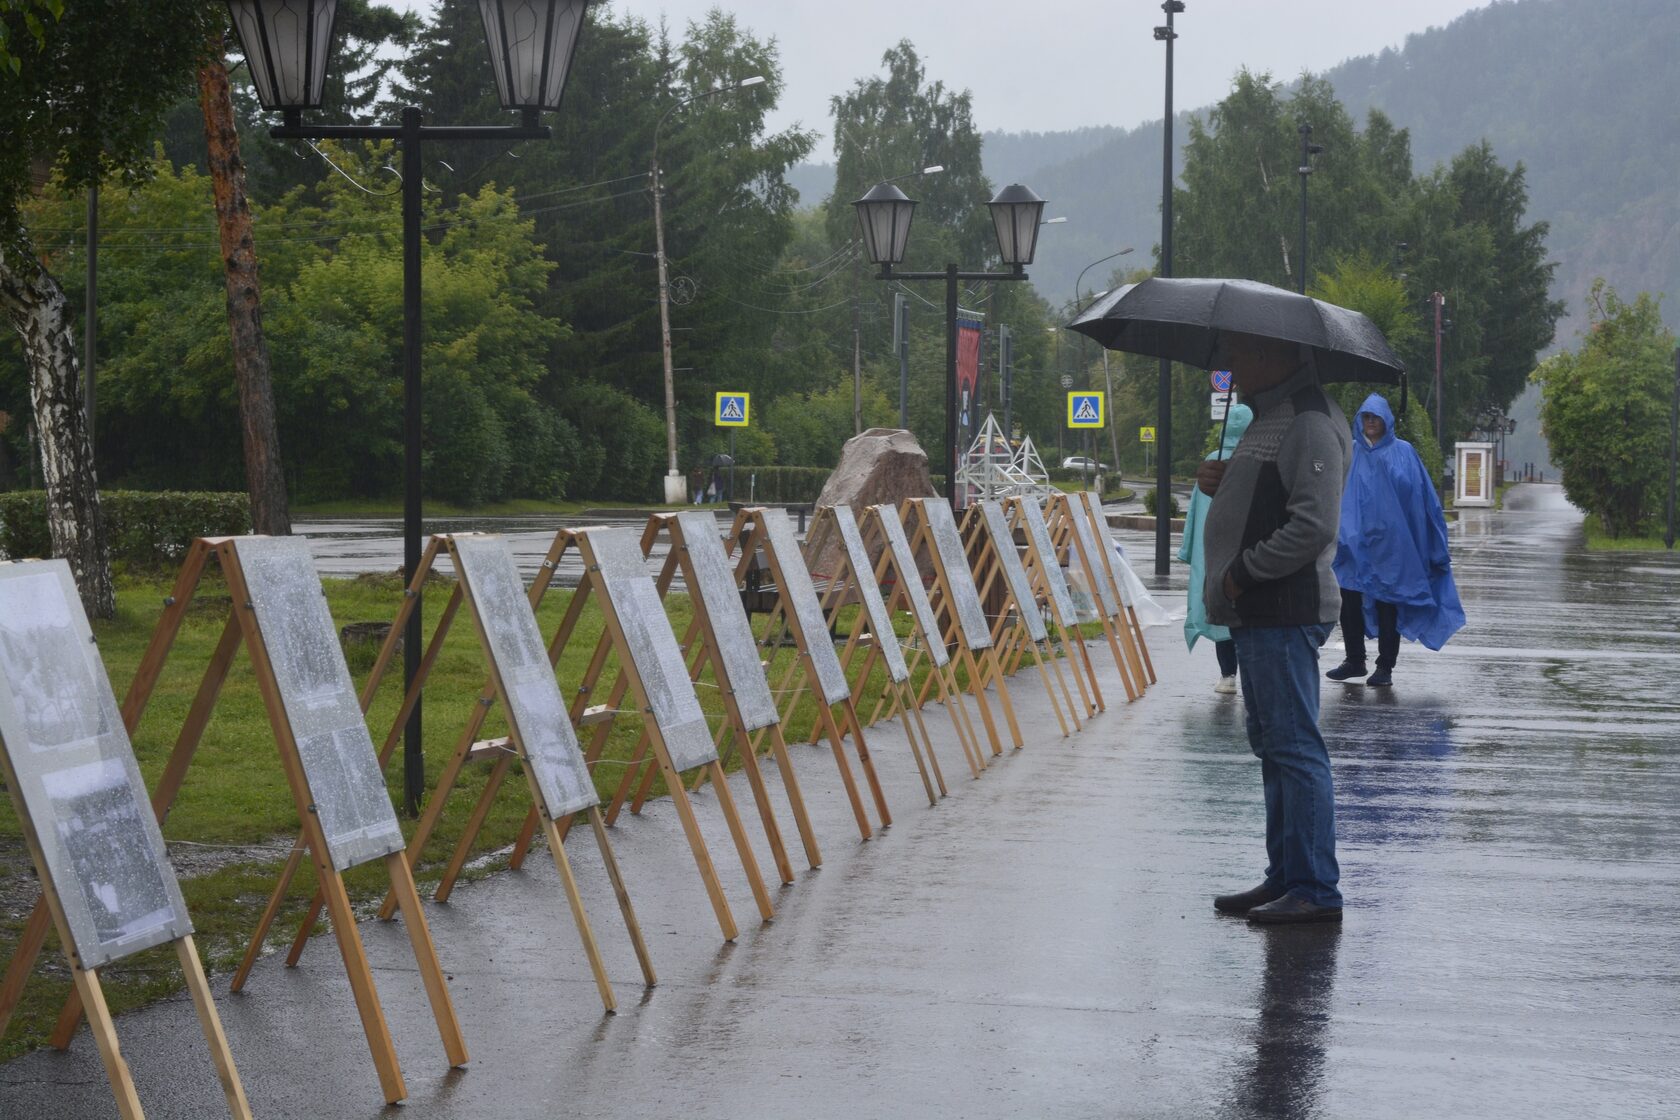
(1279, 670)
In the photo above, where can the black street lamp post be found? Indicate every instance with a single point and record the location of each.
(1308, 150)
(884, 214)
(1163, 387)
(287, 45)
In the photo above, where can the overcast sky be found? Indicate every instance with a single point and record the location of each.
(1054, 64)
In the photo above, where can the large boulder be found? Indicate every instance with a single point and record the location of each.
(876, 466)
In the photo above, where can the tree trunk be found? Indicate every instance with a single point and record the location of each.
(34, 304)
(263, 478)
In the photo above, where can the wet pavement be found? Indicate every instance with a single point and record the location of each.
(1042, 942)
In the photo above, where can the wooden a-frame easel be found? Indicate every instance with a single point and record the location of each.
(1111, 563)
(652, 669)
(720, 636)
(853, 577)
(1071, 532)
(766, 530)
(933, 533)
(50, 909)
(244, 627)
(1045, 573)
(897, 568)
(1018, 629)
(496, 570)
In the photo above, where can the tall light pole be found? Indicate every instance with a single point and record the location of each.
(287, 44)
(901, 332)
(676, 488)
(1163, 387)
(884, 215)
(1308, 150)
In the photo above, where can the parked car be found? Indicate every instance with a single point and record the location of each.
(1081, 463)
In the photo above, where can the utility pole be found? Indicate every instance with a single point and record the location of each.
(901, 348)
(1308, 150)
(857, 345)
(676, 490)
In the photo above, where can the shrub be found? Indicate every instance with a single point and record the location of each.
(779, 484)
(146, 529)
(1172, 503)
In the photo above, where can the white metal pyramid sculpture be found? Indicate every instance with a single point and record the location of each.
(991, 468)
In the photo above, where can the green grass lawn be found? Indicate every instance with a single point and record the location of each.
(1600, 541)
(236, 795)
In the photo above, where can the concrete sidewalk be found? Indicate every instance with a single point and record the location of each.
(1042, 943)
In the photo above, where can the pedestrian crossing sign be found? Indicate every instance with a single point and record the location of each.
(1085, 409)
(733, 410)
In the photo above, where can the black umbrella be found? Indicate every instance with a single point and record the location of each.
(1192, 321)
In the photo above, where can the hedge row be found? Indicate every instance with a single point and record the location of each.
(779, 484)
(145, 528)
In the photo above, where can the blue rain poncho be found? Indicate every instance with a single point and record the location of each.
(1392, 545)
(1196, 624)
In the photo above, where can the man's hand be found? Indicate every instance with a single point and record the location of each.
(1209, 475)
(1231, 588)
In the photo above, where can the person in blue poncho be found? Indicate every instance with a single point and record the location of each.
(1196, 624)
(1391, 551)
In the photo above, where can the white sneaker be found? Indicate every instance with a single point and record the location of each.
(1226, 686)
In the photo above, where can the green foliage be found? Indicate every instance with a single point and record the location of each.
(622, 452)
(779, 484)
(811, 428)
(1150, 505)
(1606, 410)
(1463, 224)
(147, 530)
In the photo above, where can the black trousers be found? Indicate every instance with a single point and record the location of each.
(1226, 651)
(1353, 630)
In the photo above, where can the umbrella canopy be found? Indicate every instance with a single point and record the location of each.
(1194, 321)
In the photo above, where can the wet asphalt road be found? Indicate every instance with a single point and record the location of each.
(1042, 943)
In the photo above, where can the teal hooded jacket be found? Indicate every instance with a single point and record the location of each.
(1196, 624)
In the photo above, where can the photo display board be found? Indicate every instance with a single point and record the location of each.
(1110, 557)
(880, 622)
(1088, 543)
(800, 596)
(339, 763)
(652, 647)
(73, 775)
(1039, 533)
(535, 706)
(971, 617)
(904, 562)
(715, 587)
(1020, 587)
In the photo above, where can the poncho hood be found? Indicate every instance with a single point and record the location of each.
(1196, 624)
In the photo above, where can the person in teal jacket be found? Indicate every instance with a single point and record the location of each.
(1196, 624)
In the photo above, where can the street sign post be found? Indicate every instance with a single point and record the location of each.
(732, 410)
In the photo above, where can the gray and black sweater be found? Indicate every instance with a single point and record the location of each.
(1272, 524)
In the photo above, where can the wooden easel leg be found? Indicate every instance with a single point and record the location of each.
(766, 813)
(737, 831)
(105, 1034)
(1055, 665)
(796, 798)
(1143, 645)
(1113, 633)
(266, 921)
(435, 804)
(361, 982)
(580, 918)
(866, 760)
(23, 960)
(645, 790)
(1098, 704)
(630, 923)
(527, 833)
(912, 724)
(847, 781)
(977, 689)
(1049, 689)
(211, 1023)
(1004, 700)
(425, 956)
(697, 844)
(475, 825)
(958, 713)
(632, 769)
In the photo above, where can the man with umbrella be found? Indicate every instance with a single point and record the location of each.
(1270, 538)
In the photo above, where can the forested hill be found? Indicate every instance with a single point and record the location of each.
(1583, 92)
